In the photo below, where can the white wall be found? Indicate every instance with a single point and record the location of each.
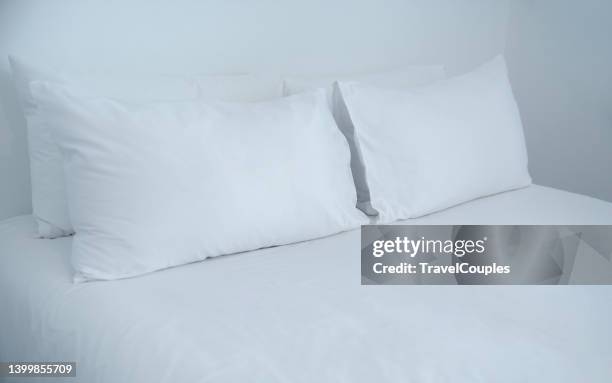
(198, 36)
(559, 55)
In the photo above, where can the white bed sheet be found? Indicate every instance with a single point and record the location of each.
(298, 313)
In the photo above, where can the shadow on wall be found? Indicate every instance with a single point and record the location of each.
(559, 57)
(14, 161)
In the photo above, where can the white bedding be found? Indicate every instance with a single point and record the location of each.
(298, 313)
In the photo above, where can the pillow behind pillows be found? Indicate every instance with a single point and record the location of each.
(402, 79)
(436, 146)
(244, 87)
(399, 79)
(49, 205)
(48, 191)
(159, 185)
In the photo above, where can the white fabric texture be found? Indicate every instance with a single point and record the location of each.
(298, 313)
(156, 185)
(439, 145)
(401, 79)
(47, 180)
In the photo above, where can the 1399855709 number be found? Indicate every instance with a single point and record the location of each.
(39, 369)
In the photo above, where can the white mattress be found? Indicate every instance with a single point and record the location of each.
(297, 313)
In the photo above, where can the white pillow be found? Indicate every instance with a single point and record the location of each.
(160, 185)
(48, 191)
(440, 145)
(240, 87)
(406, 78)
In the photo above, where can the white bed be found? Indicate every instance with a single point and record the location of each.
(298, 313)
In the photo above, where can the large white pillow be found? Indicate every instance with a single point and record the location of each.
(436, 146)
(402, 79)
(159, 185)
(48, 191)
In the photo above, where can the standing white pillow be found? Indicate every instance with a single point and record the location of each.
(437, 146)
(246, 87)
(49, 204)
(47, 179)
(399, 79)
(164, 184)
